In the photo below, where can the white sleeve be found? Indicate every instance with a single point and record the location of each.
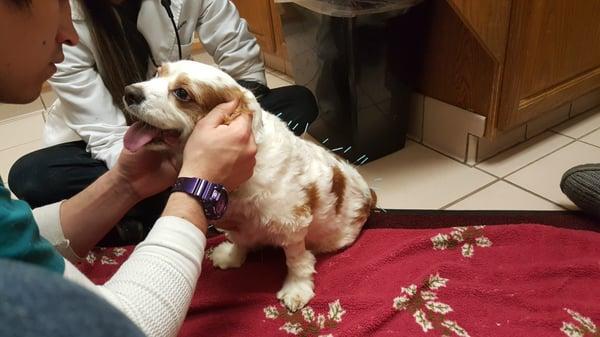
(48, 220)
(226, 37)
(154, 287)
(86, 103)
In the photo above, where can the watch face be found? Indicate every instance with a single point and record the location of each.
(212, 196)
(221, 205)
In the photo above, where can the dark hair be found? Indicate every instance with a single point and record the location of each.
(122, 50)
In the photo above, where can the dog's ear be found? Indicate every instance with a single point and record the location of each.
(208, 97)
(242, 108)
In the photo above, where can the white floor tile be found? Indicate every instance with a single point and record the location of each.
(593, 138)
(9, 156)
(580, 125)
(503, 196)
(21, 130)
(419, 178)
(281, 75)
(523, 154)
(48, 98)
(8, 111)
(275, 82)
(543, 177)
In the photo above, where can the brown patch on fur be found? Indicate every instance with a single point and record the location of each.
(364, 212)
(312, 199)
(204, 98)
(338, 187)
(373, 198)
(163, 70)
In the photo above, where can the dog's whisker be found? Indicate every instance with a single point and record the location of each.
(360, 158)
(337, 149)
(295, 126)
(364, 161)
(279, 114)
(326, 140)
(377, 179)
(382, 209)
(347, 149)
(290, 123)
(306, 128)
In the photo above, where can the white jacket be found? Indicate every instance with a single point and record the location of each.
(84, 109)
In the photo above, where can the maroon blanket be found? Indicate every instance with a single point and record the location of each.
(414, 275)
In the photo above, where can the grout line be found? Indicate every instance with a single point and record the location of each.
(484, 171)
(13, 146)
(561, 134)
(540, 158)
(550, 129)
(280, 75)
(43, 103)
(518, 144)
(510, 147)
(423, 119)
(443, 154)
(19, 117)
(588, 112)
(570, 110)
(281, 79)
(470, 194)
(589, 133)
(466, 156)
(476, 152)
(584, 142)
(534, 193)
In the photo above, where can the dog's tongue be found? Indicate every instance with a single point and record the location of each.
(138, 135)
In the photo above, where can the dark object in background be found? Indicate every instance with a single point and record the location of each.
(340, 50)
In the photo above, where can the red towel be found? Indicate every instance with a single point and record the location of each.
(501, 280)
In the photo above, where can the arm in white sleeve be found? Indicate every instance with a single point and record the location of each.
(85, 102)
(154, 287)
(48, 221)
(226, 37)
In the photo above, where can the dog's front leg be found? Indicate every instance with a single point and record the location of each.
(228, 255)
(298, 287)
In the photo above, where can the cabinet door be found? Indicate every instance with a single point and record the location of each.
(258, 15)
(553, 56)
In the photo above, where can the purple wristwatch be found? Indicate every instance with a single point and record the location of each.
(213, 197)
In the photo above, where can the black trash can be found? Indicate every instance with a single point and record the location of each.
(342, 50)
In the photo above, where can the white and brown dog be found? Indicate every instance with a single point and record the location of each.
(301, 197)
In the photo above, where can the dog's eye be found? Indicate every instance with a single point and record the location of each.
(181, 94)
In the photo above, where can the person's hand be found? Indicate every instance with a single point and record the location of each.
(223, 154)
(148, 172)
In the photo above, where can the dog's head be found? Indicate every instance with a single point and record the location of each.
(167, 107)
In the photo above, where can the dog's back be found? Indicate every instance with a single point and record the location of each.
(299, 191)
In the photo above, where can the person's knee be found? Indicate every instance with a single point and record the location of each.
(25, 180)
(306, 101)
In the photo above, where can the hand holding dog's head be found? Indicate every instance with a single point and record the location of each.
(169, 105)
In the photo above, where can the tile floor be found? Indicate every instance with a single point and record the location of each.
(524, 177)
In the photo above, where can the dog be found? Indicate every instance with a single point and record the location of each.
(300, 197)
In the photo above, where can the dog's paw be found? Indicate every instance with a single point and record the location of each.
(296, 294)
(227, 255)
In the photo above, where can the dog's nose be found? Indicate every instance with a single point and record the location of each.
(133, 95)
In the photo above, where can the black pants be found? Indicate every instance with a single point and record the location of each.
(56, 173)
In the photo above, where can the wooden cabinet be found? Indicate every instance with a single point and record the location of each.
(508, 60)
(552, 56)
(265, 23)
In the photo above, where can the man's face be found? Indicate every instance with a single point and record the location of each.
(31, 38)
